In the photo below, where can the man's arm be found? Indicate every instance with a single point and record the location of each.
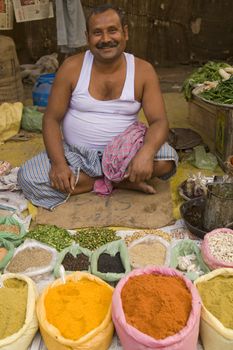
(141, 166)
(61, 176)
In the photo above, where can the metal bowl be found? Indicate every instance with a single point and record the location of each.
(192, 213)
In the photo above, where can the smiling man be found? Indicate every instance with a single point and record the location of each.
(96, 96)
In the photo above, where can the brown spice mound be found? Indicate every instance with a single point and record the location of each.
(156, 305)
(10, 228)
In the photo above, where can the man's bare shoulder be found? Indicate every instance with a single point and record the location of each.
(143, 67)
(73, 63)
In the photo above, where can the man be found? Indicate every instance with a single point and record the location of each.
(96, 96)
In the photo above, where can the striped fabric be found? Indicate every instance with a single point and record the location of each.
(33, 176)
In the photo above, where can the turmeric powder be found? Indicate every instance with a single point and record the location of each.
(76, 308)
(217, 297)
(156, 305)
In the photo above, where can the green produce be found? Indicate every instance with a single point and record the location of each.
(222, 93)
(208, 72)
(93, 238)
(58, 238)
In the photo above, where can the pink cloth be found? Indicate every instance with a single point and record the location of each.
(117, 155)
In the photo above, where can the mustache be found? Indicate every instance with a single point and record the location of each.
(110, 44)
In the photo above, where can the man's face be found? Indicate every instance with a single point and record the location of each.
(106, 37)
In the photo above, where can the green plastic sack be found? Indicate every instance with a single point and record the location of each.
(111, 248)
(187, 247)
(203, 160)
(10, 248)
(16, 239)
(75, 250)
(31, 119)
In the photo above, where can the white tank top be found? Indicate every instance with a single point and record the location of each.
(93, 123)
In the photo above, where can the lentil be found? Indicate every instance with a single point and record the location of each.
(13, 304)
(10, 228)
(3, 253)
(54, 236)
(143, 233)
(220, 246)
(142, 254)
(76, 263)
(107, 263)
(93, 238)
(29, 258)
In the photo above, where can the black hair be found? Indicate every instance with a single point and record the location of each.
(105, 7)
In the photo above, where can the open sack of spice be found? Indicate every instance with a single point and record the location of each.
(110, 262)
(6, 252)
(76, 313)
(186, 257)
(33, 259)
(215, 289)
(217, 248)
(12, 230)
(149, 250)
(174, 322)
(73, 258)
(18, 321)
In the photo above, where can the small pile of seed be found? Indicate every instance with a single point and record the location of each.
(220, 246)
(144, 254)
(29, 258)
(93, 238)
(10, 228)
(54, 236)
(143, 233)
(108, 263)
(76, 263)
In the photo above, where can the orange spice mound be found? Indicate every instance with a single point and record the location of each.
(156, 305)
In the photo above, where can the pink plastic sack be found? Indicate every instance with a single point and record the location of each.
(209, 259)
(133, 339)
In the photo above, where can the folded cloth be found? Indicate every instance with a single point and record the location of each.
(117, 156)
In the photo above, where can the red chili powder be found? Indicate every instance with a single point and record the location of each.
(156, 305)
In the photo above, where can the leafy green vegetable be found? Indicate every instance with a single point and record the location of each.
(208, 72)
(222, 93)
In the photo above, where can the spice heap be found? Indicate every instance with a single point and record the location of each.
(13, 303)
(29, 258)
(156, 305)
(107, 263)
(76, 263)
(10, 228)
(76, 308)
(217, 297)
(143, 233)
(152, 253)
(3, 253)
(93, 238)
(58, 238)
(220, 246)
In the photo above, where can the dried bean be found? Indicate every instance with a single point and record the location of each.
(93, 238)
(221, 246)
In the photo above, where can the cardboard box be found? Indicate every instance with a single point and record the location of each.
(215, 124)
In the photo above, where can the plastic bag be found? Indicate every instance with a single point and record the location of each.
(214, 335)
(184, 248)
(32, 119)
(36, 273)
(10, 251)
(111, 248)
(11, 114)
(99, 338)
(23, 338)
(131, 338)
(148, 239)
(203, 160)
(74, 250)
(15, 238)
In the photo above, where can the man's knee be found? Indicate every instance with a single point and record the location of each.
(164, 169)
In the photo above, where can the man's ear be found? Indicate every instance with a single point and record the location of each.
(126, 32)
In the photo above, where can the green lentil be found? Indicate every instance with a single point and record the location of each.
(93, 238)
(54, 236)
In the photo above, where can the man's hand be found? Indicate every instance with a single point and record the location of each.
(140, 168)
(62, 178)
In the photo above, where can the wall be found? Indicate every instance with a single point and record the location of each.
(165, 32)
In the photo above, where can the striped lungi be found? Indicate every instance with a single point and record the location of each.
(33, 176)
